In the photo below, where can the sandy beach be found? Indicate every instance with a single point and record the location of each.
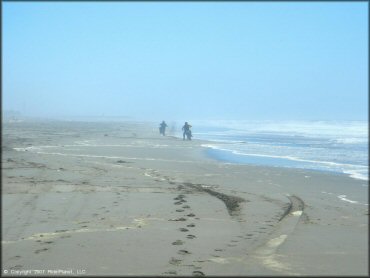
(82, 198)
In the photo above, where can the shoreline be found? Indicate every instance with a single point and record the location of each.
(153, 205)
(269, 161)
(226, 161)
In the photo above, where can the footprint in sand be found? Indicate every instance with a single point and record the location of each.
(178, 203)
(191, 236)
(173, 272)
(186, 207)
(219, 250)
(179, 210)
(178, 242)
(183, 230)
(198, 273)
(191, 215)
(41, 250)
(183, 252)
(18, 266)
(190, 225)
(178, 219)
(83, 222)
(60, 231)
(175, 261)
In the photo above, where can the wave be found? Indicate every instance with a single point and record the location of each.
(351, 140)
(335, 129)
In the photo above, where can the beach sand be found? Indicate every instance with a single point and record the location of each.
(119, 199)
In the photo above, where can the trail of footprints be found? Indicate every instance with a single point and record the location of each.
(45, 245)
(185, 209)
(82, 224)
(181, 207)
(180, 201)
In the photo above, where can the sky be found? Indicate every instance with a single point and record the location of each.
(178, 61)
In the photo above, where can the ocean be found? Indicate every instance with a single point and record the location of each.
(340, 146)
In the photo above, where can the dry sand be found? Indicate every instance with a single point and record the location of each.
(119, 199)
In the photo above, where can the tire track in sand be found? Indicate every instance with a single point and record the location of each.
(267, 253)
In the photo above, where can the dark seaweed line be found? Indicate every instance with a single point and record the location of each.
(231, 202)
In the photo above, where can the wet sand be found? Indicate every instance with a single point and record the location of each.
(119, 199)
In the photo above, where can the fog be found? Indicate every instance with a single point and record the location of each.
(186, 61)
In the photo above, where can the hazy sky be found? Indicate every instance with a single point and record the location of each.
(176, 60)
